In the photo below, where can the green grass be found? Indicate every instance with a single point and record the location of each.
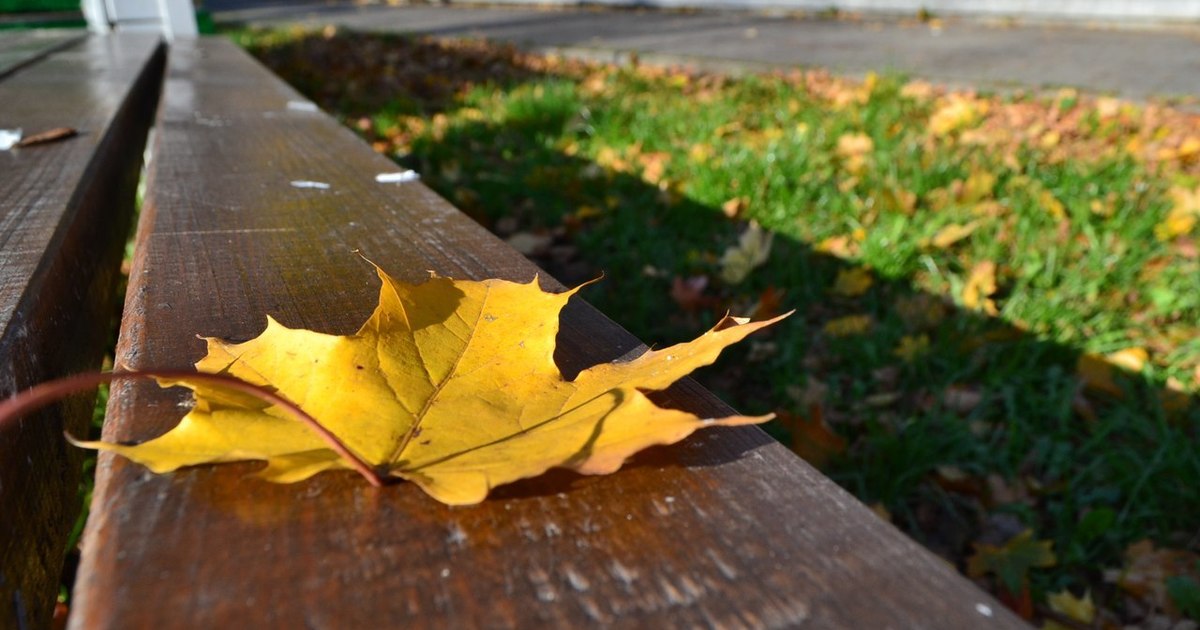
(992, 421)
(35, 6)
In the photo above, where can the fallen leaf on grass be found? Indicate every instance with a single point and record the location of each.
(912, 347)
(981, 284)
(1080, 609)
(852, 282)
(1148, 570)
(955, 112)
(1098, 372)
(840, 246)
(812, 438)
(952, 234)
(769, 304)
(1183, 215)
(1052, 205)
(450, 384)
(977, 187)
(962, 399)
(752, 250)
(855, 150)
(848, 326)
(1011, 563)
(688, 293)
(733, 208)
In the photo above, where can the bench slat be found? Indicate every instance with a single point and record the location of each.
(728, 529)
(65, 210)
(20, 48)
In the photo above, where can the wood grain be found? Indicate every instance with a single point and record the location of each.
(21, 48)
(726, 530)
(65, 212)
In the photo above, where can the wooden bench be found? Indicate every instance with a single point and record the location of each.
(65, 211)
(727, 530)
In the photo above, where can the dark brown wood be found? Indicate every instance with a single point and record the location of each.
(725, 530)
(65, 211)
(20, 48)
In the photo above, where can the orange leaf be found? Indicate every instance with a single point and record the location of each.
(812, 438)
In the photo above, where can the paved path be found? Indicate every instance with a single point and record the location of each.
(1132, 63)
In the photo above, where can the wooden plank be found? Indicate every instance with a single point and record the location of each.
(21, 48)
(726, 530)
(65, 211)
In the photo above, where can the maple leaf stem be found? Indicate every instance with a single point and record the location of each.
(45, 393)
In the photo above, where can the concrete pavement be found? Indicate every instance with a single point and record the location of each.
(1134, 63)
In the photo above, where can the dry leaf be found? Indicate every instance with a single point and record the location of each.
(450, 384)
(688, 293)
(1052, 205)
(955, 112)
(840, 246)
(848, 326)
(1097, 372)
(911, 347)
(1081, 609)
(752, 250)
(1012, 561)
(46, 137)
(855, 150)
(952, 234)
(812, 438)
(1148, 569)
(852, 282)
(962, 399)
(735, 207)
(977, 187)
(976, 293)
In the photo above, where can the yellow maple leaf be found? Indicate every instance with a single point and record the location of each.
(980, 285)
(450, 384)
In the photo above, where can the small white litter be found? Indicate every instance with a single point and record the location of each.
(401, 177)
(9, 138)
(303, 183)
(302, 106)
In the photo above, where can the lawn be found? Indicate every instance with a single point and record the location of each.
(997, 297)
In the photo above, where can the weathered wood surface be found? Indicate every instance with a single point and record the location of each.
(65, 211)
(726, 530)
(20, 48)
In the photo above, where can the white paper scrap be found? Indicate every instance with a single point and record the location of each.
(8, 138)
(398, 178)
(303, 183)
(302, 106)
